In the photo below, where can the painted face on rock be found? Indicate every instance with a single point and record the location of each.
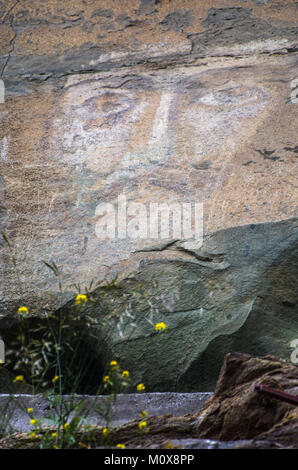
(141, 137)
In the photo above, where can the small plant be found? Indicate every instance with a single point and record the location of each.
(46, 352)
(66, 423)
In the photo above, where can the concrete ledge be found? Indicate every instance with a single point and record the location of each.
(126, 408)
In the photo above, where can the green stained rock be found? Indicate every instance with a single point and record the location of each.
(237, 292)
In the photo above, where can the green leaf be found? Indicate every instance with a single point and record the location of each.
(52, 267)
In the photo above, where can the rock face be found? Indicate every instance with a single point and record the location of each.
(237, 416)
(236, 411)
(162, 103)
(236, 292)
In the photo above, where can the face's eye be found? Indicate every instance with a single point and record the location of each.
(114, 103)
(103, 107)
(232, 97)
(111, 107)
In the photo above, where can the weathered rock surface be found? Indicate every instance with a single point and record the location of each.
(163, 102)
(237, 291)
(237, 411)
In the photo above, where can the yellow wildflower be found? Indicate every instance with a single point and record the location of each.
(125, 374)
(33, 435)
(54, 379)
(143, 413)
(29, 410)
(142, 425)
(54, 434)
(23, 310)
(105, 432)
(19, 378)
(106, 379)
(161, 326)
(81, 298)
(114, 364)
(120, 446)
(66, 425)
(32, 422)
(141, 388)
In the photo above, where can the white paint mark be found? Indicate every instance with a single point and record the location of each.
(51, 202)
(4, 149)
(2, 92)
(158, 143)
